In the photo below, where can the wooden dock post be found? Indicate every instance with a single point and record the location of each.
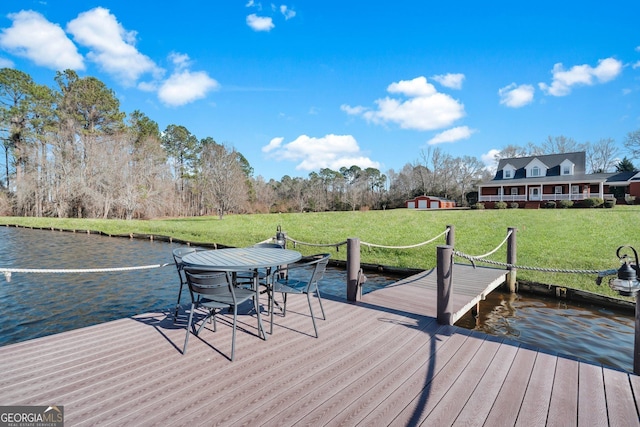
(451, 236)
(511, 259)
(444, 269)
(353, 268)
(636, 340)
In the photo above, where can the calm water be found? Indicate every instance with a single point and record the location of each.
(36, 304)
(587, 332)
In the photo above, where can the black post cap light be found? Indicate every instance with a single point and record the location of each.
(627, 282)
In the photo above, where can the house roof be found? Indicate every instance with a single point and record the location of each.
(430, 198)
(552, 161)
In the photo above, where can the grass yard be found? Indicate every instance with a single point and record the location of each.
(577, 239)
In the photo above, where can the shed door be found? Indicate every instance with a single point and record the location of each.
(422, 204)
(434, 205)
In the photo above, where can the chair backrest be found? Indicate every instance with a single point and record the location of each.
(209, 283)
(319, 262)
(178, 254)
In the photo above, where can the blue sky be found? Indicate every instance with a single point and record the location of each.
(300, 86)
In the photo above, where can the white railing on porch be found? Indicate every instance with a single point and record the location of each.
(541, 197)
(503, 198)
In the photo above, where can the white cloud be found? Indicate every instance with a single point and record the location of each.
(352, 111)
(489, 159)
(563, 80)
(184, 86)
(31, 36)
(452, 135)
(288, 13)
(426, 108)
(330, 151)
(273, 144)
(112, 47)
(416, 87)
(515, 96)
(260, 23)
(452, 81)
(180, 60)
(6, 63)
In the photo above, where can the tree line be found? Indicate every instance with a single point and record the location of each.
(69, 151)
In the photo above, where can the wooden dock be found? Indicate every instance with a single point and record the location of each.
(382, 361)
(470, 286)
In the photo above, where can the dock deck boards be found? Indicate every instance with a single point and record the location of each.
(381, 361)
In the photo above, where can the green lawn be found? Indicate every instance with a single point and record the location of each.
(579, 239)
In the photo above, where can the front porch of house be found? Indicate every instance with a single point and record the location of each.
(543, 192)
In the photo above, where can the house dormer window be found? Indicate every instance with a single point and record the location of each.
(566, 168)
(508, 172)
(536, 169)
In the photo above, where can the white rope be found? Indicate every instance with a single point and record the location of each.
(496, 249)
(373, 245)
(298, 242)
(7, 271)
(370, 245)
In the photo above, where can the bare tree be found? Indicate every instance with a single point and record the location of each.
(470, 172)
(265, 195)
(602, 156)
(221, 180)
(632, 143)
(561, 144)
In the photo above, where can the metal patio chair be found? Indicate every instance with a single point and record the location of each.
(215, 291)
(312, 268)
(178, 254)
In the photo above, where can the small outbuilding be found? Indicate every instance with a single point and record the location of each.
(430, 202)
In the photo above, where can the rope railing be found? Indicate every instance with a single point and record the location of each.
(473, 259)
(7, 271)
(369, 245)
(318, 245)
(373, 245)
(496, 248)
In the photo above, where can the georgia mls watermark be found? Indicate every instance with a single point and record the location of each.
(31, 416)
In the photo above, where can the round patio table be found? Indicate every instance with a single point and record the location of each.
(241, 260)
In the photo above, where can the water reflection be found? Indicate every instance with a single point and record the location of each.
(587, 332)
(36, 304)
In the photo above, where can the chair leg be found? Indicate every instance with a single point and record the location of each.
(284, 304)
(261, 330)
(175, 315)
(233, 335)
(271, 309)
(313, 318)
(186, 338)
(321, 307)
